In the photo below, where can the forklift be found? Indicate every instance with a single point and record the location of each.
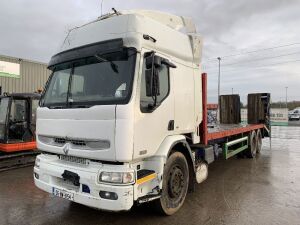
(18, 122)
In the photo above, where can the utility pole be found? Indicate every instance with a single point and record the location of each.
(101, 7)
(280, 101)
(286, 100)
(219, 80)
(232, 91)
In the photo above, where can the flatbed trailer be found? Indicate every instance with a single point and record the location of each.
(227, 135)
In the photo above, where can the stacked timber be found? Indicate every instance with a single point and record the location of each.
(230, 109)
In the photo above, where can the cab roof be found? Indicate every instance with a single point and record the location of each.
(174, 35)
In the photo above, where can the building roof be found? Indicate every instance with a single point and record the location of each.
(22, 59)
(23, 95)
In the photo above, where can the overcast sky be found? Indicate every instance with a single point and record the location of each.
(258, 40)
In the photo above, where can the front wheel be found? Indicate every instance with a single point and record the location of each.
(175, 184)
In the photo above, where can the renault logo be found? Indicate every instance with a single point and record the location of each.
(66, 149)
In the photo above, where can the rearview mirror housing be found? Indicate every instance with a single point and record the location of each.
(152, 83)
(153, 60)
(148, 79)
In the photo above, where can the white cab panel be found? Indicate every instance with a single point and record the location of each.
(184, 99)
(96, 123)
(151, 128)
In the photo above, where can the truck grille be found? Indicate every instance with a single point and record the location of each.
(73, 159)
(60, 140)
(76, 143)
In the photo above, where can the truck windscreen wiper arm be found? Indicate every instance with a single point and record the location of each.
(112, 64)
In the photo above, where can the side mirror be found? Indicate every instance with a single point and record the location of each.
(153, 60)
(152, 82)
(148, 79)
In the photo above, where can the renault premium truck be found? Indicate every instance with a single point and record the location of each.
(122, 119)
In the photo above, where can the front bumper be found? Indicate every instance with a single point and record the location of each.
(49, 175)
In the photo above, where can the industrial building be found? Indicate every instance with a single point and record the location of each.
(21, 75)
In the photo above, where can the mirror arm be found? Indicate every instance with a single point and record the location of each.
(169, 64)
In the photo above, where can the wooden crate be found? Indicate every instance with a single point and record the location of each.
(230, 109)
(258, 108)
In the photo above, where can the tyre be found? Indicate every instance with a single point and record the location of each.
(175, 185)
(258, 141)
(251, 153)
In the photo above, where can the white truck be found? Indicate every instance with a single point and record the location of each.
(122, 119)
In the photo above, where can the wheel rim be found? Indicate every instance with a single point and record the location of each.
(176, 182)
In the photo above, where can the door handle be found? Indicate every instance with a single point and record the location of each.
(171, 125)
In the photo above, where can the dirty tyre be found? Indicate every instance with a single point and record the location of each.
(259, 141)
(175, 185)
(251, 153)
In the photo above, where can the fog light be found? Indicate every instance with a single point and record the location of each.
(108, 195)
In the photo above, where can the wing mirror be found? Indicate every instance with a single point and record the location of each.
(153, 65)
(153, 61)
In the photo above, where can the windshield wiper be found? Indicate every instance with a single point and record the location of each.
(112, 64)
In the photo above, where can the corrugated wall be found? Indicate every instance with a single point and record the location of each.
(33, 75)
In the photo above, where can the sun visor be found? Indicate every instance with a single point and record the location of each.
(86, 51)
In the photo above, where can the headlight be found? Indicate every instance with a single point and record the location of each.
(37, 162)
(117, 177)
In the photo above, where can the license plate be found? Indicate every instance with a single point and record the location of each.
(63, 194)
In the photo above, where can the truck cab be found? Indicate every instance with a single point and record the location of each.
(123, 98)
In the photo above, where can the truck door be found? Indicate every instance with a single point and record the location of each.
(153, 125)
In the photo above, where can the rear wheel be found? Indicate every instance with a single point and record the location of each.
(252, 150)
(175, 184)
(259, 141)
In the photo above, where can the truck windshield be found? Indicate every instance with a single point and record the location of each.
(96, 80)
(3, 115)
